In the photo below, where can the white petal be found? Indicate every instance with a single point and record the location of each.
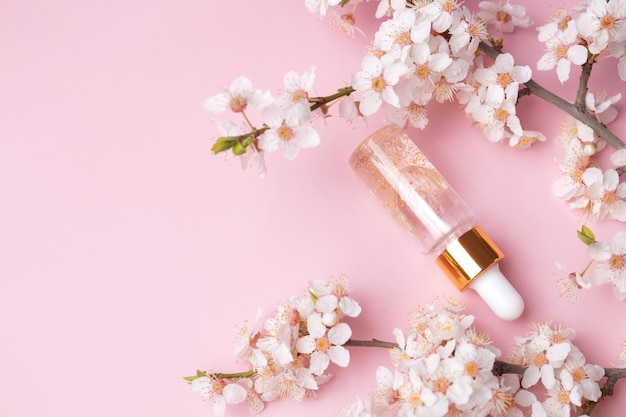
(546, 62)
(618, 243)
(384, 377)
(538, 410)
(326, 304)
(621, 68)
(315, 327)
(306, 137)
(566, 379)
(393, 73)
(390, 97)
(547, 376)
(282, 355)
(420, 31)
(319, 362)
(273, 116)
(522, 73)
(339, 334)
(618, 158)
(217, 103)
(531, 376)
(305, 344)
(269, 140)
(261, 99)
(219, 406)
(592, 175)
(599, 251)
(504, 63)
(339, 355)
(558, 352)
(349, 306)
(562, 70)
(241, 86)
(525, 398)
(370, 103)
(234, 393)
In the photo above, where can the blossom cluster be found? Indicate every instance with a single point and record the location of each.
(286, 118)
(554, 363)
(444, 366)
(428, 51)
(609, 266)
(289, 353)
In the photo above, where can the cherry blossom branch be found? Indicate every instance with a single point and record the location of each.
(575, 110)
(500, 367)
(238, 143)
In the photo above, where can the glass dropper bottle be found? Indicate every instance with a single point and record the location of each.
(423, 203)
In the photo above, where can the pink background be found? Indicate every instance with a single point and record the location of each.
(129, 254)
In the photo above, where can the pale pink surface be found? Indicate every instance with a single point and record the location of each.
(130, 254)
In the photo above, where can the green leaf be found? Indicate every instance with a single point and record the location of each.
(224, 143)
(198, 374)
(344, 2)
(586, 235)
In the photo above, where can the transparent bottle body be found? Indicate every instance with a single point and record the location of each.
(411, 189)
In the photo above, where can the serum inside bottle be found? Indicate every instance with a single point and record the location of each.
(426, 206)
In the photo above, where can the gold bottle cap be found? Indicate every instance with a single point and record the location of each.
(467, 257)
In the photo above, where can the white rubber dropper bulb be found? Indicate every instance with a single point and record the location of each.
(498, 293)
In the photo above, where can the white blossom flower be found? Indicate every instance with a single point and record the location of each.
(560, 53)
(324, 344)
(495, 120)
(334, 295)
(346, 24)
(570, 283)
(402, 31)
(502, 76)
(467, 33)
(503, 398)
(237, 97)
(288, 129)
(375, 81)
(293, 380)
(583, 375)
(576, 131)
(560, 399)
(572, 165)
(220, 391)
(297, 87)
(414, 398)
(602, 22)
(441, 13)
(558, 22)
(413, 114)
(604, 194)
(247, 348)
(428, 61)
(611, 263)
(504, 15)
(278, 338)
(602, 106)
(543, 352)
